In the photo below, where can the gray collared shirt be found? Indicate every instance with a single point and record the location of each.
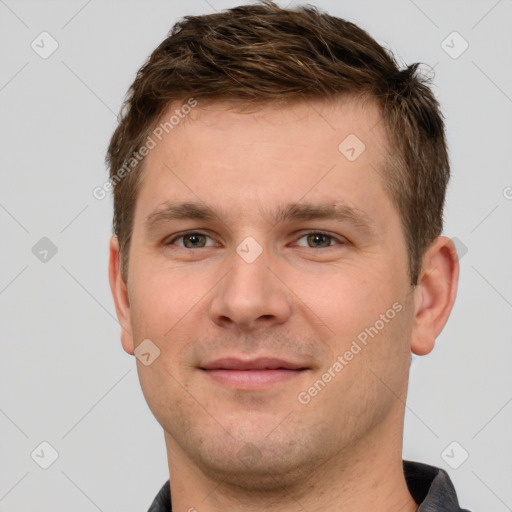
(430, 487)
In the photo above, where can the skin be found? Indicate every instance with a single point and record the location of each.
(301, 300)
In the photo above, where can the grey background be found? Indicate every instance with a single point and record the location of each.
(64, 377)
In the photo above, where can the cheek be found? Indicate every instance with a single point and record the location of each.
(169, 308)
(158, 300)
(369, 322)
(348, 297)
(368, 368)
(385, 354)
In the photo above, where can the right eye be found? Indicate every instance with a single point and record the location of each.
(191, 240)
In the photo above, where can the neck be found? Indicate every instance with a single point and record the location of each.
(367, 476)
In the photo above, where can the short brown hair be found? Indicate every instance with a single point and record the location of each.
(261, 53)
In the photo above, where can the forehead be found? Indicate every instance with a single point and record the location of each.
(228, 156)
(311, 117)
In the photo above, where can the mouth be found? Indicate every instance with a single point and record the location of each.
(254, 374)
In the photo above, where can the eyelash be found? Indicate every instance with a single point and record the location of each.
(328, 235)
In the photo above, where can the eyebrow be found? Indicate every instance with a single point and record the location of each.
(338, 211)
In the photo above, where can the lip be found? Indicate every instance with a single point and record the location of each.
(261, 363)
(252, 374)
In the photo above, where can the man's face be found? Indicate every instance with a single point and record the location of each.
(307, 298)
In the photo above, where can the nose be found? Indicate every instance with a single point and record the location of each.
(251, 295)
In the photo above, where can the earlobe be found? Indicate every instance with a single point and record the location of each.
(435, 294)
(119, 290)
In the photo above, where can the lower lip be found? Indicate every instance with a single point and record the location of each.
(252, 379)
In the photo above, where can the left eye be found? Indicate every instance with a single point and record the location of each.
(320, 238)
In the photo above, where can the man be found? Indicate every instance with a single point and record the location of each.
(277, 255)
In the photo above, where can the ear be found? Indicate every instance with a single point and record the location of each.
(120, 295)
(434, 294)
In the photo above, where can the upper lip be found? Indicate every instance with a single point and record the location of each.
(262, 363)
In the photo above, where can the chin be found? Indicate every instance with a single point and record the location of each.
(246, 467)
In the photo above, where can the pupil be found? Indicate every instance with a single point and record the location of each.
(317, 239)
(192, 239)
